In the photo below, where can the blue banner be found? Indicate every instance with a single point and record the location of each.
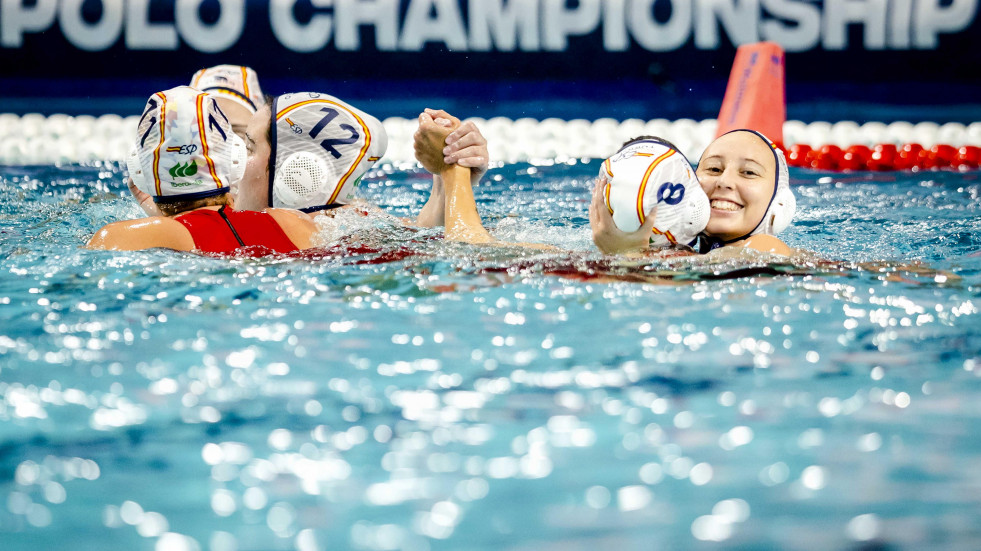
(676, 52)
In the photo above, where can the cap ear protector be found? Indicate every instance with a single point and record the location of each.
(784, 204)
(299, 181)
(320, 149)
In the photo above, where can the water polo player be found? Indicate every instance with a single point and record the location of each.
(650, 192)
(238, 94)
(308, 151)
(747, 182)
(186, 157)
(237, 90)
(746, 178)
(652, 160)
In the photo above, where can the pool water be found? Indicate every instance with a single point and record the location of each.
(396, 392)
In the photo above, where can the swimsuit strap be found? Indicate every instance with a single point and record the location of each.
(705, 243)
(221, 212)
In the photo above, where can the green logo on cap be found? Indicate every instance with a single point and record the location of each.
(187, 169)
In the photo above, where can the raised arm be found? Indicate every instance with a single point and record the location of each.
(464, 146)
(461, 219)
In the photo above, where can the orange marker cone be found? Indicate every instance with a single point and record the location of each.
(755, 96)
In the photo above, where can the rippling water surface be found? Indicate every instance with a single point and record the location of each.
(395, 392)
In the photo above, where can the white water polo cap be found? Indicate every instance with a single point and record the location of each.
(235, 82)
(185, 148)
(321, 147)
(783, 203)
(649, 172)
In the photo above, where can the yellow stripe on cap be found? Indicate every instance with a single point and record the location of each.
(606, 165)
(641, 215)
(606, 194)
(245, 82)
(230, 92)
(204, 140)
(667, 234)
(361, 154)
(156, 150)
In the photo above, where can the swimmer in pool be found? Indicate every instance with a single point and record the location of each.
(747, 182)
(186, 158)
(238, 94)
(668, 173)
(309, 151)
(236, 88)
(649, 188)
(743, 181)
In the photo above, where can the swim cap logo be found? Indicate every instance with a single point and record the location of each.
(294, 127)
(197, 182)
(187, 169)
(183, 149)
(671, 194)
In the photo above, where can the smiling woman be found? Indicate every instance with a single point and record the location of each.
(747, 182)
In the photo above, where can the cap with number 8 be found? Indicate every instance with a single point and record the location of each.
(649, 172)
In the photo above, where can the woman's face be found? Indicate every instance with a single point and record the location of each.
(253, 190)
(738, 173)
(238, 116)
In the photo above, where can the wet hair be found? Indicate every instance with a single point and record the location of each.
(173, 208)
(651, 138)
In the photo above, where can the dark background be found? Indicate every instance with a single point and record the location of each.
(48, 74)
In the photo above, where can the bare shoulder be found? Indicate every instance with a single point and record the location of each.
(298, 226)
(768, 244)
(291, 217)
(143, 233)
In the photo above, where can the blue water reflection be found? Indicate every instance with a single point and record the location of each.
(410, 394)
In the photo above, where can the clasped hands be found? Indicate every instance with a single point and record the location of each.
(444, 140)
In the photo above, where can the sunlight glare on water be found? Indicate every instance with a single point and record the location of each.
(397, 392)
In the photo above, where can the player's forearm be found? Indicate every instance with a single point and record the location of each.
(432, 213)
(462, 219)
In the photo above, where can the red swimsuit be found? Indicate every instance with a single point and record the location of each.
(225, 231)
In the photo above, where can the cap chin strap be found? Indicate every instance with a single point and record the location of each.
(236, 96)
(273, 145)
